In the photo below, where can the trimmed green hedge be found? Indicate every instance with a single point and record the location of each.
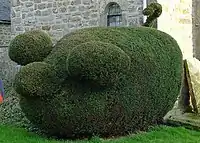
(113, 63)
(152, 11)
(35, 79)
(105, 81)
(30, 47)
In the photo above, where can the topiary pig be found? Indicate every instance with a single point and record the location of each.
(97, 81)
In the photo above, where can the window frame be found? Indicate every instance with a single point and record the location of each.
(115, 15)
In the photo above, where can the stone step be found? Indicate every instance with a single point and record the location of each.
(188, 120)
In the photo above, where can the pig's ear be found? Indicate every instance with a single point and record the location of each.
(98, 62)
(32, 46)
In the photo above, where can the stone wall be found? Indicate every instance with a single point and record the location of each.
(5, 34)
(60, 17)
(176, 20)
(196, 28)
(7, 67)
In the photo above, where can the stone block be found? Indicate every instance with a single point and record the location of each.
(62, 9)
(49, 5)
(59, 4)
(58, 27)
(19, 28)
(86, 2)
(42, 6)
(178, 118)
(94, 15)
(37, 1)
(82, 8)
(15, 3)
(77, 2)
(17, 20)
(193, 78)
(29, 4)
(46, 12)
(46, 27)
(72, 8)
(66, 3)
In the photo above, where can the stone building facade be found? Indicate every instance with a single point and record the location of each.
(59, 17)
(5, 34)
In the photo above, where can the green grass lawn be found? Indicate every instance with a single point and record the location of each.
(157, 135)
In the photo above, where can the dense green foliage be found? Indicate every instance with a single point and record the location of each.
(161, 134)
(102, 81)
(152, 11)
(84, 55)
(36, 79)
(30, 47)
(11, 113)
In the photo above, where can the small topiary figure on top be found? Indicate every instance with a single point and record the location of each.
(152, 11)
(99, 81)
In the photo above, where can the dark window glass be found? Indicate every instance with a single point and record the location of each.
(114, 17)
